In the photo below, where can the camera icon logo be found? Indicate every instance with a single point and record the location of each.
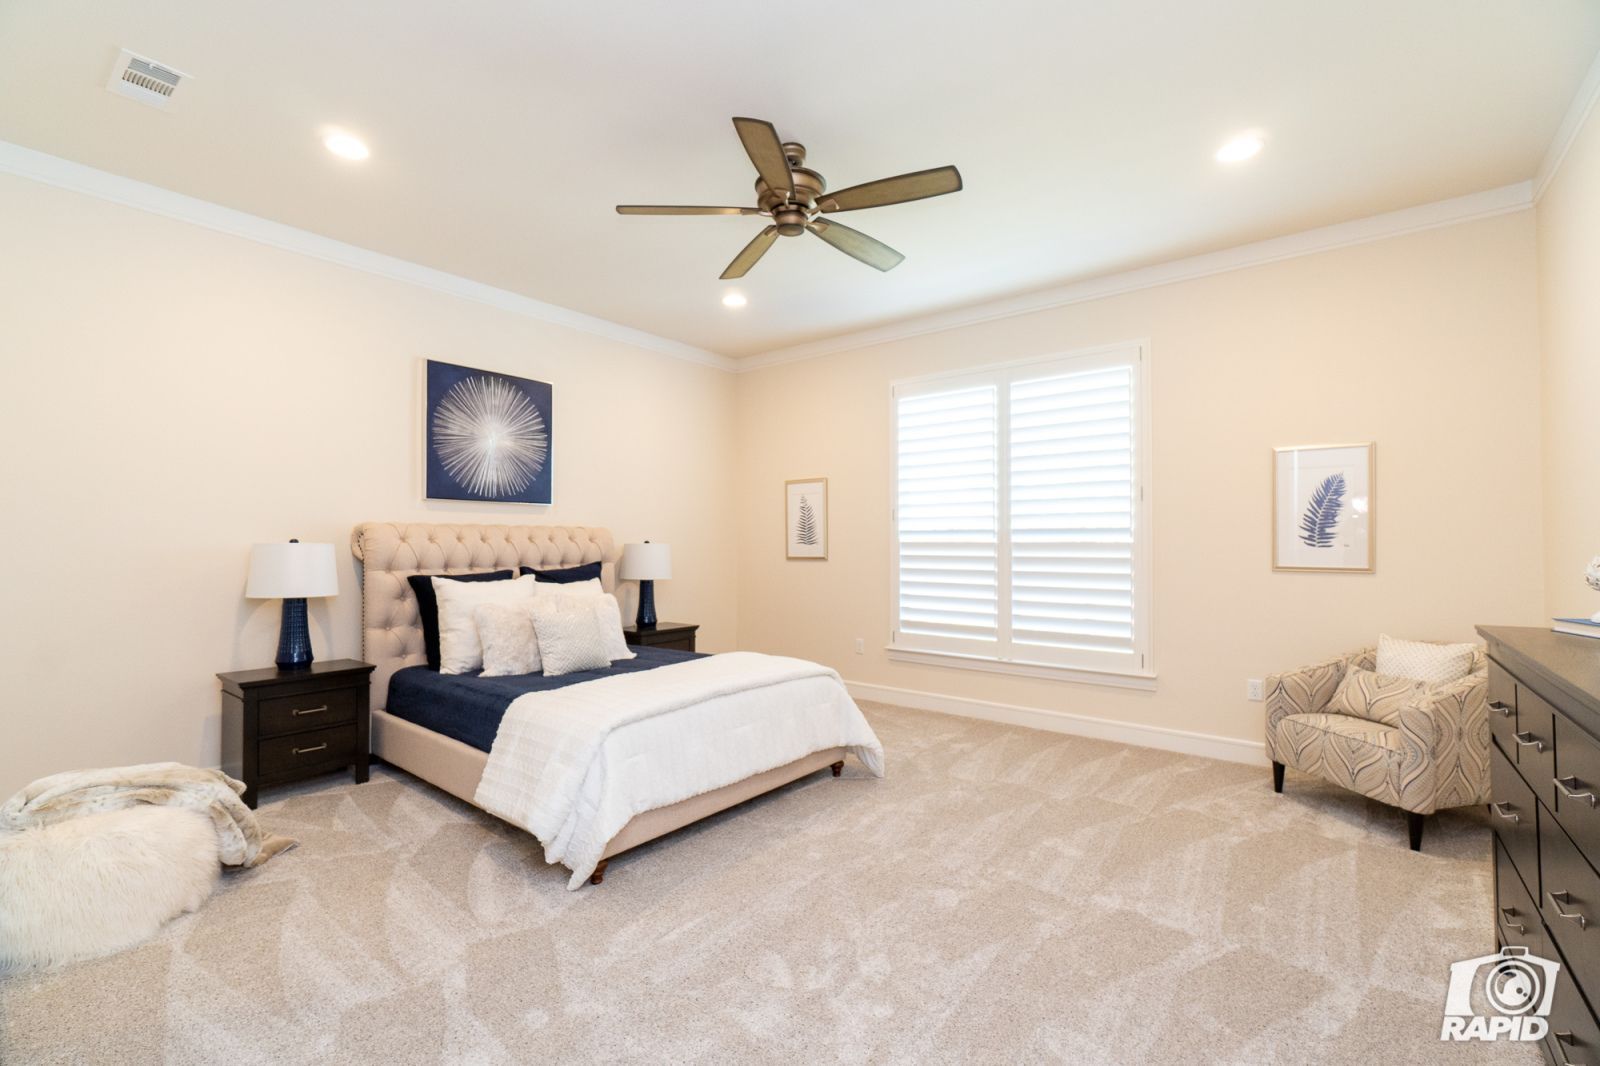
(1513, 988)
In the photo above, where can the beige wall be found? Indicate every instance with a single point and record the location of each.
(1427, 344)
(173, 394)
(1569, 284)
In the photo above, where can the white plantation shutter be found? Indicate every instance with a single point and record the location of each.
(1071, 493)
(949, 513)
(1018, 515)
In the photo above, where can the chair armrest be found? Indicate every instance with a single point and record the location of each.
(1446, 728)
(1306, 690)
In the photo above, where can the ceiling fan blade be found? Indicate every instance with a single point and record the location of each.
(856, 244)
(896, 190)
(765, 150)
(667, 209)
(752, 254)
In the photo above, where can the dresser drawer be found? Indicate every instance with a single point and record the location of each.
(1516, 913)
(1569, 886)
(323, 747)
(1574, 1036)
(1577, 776)
(1535, 741)
(280, 715)
(1514, 814)
(1502, 695)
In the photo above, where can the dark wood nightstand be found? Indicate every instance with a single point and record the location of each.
(678, 635)
(285, 725)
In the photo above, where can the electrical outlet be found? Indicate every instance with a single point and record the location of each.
(861, 646)
(1253, 690)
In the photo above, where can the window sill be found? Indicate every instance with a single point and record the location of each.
(1143, 682)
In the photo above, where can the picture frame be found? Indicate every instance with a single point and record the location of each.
(487, 437)
(1324, 508)
(806, 518)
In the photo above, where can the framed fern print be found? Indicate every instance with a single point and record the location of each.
(806, 516)
(1323, 507)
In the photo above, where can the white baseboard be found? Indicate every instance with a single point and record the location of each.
(1253, 752)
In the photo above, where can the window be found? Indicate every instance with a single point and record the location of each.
(1019, 516)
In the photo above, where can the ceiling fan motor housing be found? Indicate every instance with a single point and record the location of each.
(790, 214)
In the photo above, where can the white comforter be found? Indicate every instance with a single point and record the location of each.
(574, 765)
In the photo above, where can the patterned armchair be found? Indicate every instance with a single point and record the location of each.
(1420, 752)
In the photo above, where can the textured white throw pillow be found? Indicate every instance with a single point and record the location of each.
(1422, 661)
(569, 633)
(608, 614)
(509, 644)
(460, 650)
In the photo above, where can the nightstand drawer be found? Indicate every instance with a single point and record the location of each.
(310, 710)
(682, 644)
(324, 747)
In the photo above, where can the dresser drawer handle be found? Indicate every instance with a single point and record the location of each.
(1570, 792)
(298, 711)
(308, 751)
(1509, 913)
(1502, 709)
(1512, 817)
(1526, 740)
(1565, 1038)
(1557, 899)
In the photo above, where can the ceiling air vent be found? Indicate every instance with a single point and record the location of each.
(144, 80)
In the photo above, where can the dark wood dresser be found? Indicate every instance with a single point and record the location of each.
(1544, 713)
(284, 725)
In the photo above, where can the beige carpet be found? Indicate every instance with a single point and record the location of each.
(1004, 896)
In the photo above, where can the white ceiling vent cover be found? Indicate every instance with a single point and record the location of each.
(144, 80)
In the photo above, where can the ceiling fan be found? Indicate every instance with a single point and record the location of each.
(795, 197)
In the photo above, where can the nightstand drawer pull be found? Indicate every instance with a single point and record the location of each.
(1557, 899)
(1569, 790)
(308, 751)
(298, 711)
(1503, 709)
(1527, 740)
(1509, 913)
(1512, 817)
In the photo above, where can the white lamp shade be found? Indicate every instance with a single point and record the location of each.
(645, 562)
(286, 571)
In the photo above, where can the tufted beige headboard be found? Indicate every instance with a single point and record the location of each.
(391, 631)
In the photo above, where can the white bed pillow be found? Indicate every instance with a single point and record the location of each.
(608, 613)
(1422, 661)
(570, 635)
(510, 646)
(460, 650)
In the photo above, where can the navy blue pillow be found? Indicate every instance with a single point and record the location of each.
(586, 572)
(428, 605)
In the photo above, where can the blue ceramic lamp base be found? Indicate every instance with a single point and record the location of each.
(294, 636)
(647, 606)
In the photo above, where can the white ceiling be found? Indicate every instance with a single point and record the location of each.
(504, 131)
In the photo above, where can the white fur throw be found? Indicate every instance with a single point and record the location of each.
(69, 795)
(101, 882)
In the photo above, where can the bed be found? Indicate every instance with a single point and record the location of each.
(444, 728)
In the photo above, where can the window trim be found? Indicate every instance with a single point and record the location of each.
(1143, 676)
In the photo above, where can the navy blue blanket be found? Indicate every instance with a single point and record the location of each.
(468, 708)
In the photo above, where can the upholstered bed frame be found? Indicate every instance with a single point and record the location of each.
(391, 638)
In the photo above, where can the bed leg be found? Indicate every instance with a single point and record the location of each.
(837, 768)
(599, 872)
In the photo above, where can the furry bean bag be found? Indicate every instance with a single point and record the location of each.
(100, 883)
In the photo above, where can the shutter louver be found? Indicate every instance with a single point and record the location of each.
(948, 513)
(1072, 511)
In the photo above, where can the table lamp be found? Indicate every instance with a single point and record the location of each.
(291, 572)
(646, 563)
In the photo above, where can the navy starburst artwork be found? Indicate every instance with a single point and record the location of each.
(1322, 513)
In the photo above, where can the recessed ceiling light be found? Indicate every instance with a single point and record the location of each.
(1237, 150)
(734, 299)
(346, 146)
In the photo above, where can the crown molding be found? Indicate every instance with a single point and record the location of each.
(1501, 201)
(1571, 125)
(114, 188)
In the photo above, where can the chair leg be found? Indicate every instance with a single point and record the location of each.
(1414, 827)
(1277, 777)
